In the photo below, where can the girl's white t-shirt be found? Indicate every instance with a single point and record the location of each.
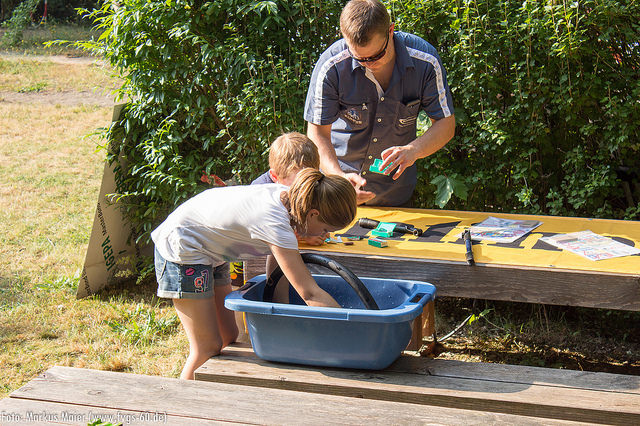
(226, 224)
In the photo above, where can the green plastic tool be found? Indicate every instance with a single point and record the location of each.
(375, 167)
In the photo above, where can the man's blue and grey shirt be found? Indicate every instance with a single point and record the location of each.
(367, 120)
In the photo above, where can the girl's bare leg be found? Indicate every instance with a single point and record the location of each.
(200, 323)
(226, 318)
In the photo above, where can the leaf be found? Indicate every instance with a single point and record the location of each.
(444, 189)
(446, 186)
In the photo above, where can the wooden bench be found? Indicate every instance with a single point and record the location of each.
(73, 396)
(525, 392)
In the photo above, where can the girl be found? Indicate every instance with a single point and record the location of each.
(194, 244)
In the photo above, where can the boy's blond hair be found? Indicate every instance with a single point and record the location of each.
(292, 152)
(333, 196)
(361, 19)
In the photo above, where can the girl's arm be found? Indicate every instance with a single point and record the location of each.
(300, 278)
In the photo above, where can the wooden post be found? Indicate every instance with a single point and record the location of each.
(423, 325)
(429, 316)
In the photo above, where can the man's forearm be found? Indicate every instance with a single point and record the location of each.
(321, 136)
(438, 135)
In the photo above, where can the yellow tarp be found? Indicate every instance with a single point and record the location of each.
(443, 227)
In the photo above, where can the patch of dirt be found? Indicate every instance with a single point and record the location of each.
(541, 335)
(57, 98)
(58, 59)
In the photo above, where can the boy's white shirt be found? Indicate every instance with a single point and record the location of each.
(226, 224)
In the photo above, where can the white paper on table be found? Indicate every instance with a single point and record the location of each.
(591, 245)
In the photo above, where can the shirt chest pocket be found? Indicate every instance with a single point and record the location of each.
(408, 114)
(355, 116)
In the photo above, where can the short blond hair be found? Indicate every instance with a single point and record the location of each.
(291, 152)
(333, 196)
(360, 20)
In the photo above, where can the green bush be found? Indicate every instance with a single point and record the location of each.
(20, 19)
(546, 96)
(212, 83)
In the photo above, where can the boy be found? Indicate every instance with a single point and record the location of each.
(289, 153)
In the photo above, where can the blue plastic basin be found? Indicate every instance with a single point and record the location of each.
(351, 337)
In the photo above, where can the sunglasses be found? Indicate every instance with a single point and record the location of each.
(375, 57)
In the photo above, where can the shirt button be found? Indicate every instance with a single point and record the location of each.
(379, 120)
(382, 99)
(375, 139)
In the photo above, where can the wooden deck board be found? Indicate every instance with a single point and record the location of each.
(34, 412)
(80, 392)
(526, 391)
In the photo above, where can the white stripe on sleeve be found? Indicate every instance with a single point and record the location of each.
(322, 74)
(442, 98)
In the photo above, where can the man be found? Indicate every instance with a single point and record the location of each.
(363, 101)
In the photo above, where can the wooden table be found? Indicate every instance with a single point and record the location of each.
(527, 270)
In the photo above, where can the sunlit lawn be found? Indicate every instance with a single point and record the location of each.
(50, 175)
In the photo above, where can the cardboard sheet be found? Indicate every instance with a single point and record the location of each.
(110, 258)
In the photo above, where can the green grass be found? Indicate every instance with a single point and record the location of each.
(51, 175)
(34, 38)
(25, 75)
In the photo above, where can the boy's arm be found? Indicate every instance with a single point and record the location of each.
(300, 278)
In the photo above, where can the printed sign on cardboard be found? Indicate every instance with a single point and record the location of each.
(110, 258)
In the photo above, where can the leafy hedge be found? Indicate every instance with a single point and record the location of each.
(546, 96)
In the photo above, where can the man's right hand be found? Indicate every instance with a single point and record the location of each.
(358, 182)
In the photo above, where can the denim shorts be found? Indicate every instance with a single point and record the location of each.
(176, 281)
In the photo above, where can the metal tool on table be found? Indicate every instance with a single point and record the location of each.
(404, 228)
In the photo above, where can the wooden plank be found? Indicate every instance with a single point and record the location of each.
(16, 411)
(429, 319)
(221, 402)
(525, 375)
(522, 374)
(584, 397)
(499, 282)
(254, 267)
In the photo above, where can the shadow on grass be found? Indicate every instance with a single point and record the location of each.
(143, 292)
(543, 335)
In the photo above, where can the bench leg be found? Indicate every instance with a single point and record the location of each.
(423, 325)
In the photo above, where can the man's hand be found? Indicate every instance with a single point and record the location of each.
(402, 158)
(358, 182)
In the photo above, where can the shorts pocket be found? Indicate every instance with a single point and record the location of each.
(160, 265)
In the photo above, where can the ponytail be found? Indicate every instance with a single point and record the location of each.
(332, 195)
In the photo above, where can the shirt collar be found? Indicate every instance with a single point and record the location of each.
(403, 60)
